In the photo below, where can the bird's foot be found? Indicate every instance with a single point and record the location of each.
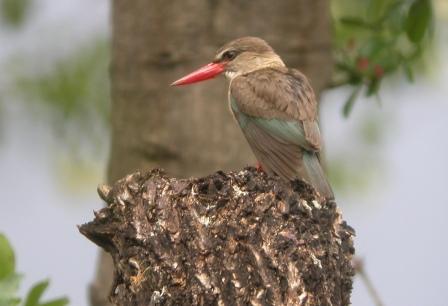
(259, 167)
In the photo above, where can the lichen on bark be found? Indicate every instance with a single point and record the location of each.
(226, 239)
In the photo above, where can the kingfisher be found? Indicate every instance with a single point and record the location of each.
(275, 107)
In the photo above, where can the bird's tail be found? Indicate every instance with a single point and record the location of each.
(316, 175)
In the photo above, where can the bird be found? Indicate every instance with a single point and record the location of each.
(275, 107)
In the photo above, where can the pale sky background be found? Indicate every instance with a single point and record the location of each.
(400, 220)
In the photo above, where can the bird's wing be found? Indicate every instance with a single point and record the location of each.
(277, 112)
(279, 102)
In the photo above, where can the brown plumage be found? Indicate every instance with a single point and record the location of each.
(269, 99)
(279, 93)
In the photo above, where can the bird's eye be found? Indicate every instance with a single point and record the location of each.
(229, 55)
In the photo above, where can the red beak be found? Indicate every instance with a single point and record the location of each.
(204, 73)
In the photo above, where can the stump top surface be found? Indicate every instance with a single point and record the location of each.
(240, 238)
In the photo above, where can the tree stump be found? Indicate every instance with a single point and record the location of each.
(227, 239)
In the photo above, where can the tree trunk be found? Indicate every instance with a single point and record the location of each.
(227, 239)
(189, 131)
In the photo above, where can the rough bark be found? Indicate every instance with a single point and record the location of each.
(226, 239)
(189, 131)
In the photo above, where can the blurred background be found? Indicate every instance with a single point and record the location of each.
(383, 117)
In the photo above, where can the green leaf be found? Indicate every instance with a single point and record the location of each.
(348, 106)
(373, 87)
(10, 281)
(390, 60)
(77, 87)
(373, 47)
(35, 293)
(14, 11)
(356, 22)
(375, 8)
(418, 21)
(7, 259)
(56, 302)
(408, 72)
(394, 17)
(8, 290)
(345, 67)
(10, 302)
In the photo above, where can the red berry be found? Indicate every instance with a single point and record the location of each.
(362, 63)
(378, 71)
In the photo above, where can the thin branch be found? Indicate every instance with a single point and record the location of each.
(358, 265)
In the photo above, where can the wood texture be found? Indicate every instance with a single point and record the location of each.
(227, 239)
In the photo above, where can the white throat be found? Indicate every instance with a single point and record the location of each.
(230, 75)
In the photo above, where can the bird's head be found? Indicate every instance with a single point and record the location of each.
(238, 57)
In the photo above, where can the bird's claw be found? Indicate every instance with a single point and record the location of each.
(259, 167)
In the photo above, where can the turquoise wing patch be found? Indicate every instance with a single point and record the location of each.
(288, 131)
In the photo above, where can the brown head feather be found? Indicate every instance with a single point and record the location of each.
(245, 55)
(246, 44)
